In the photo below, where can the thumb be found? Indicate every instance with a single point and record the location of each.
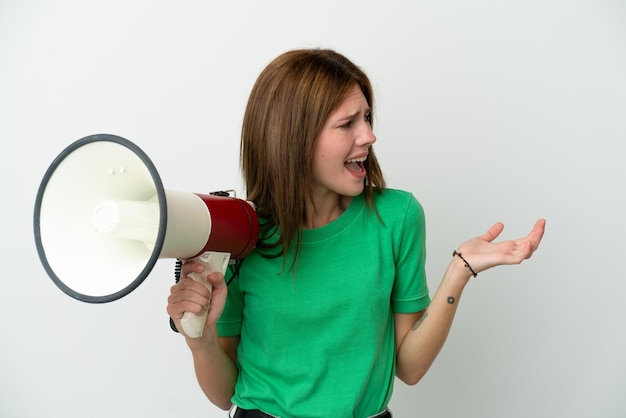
(493, 232)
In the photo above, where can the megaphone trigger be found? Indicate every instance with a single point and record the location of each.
(213, 261)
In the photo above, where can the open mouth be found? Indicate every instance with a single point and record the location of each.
(355, 165)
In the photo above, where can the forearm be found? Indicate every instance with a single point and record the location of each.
(425, 338)
(419, 343)
(215, 370)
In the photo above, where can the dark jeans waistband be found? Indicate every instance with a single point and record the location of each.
(255, 413)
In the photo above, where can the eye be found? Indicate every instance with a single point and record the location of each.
(368, 117)
(347, 124)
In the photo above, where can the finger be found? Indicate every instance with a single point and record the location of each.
(187, 301)
(524, 248)
(196, 294)
(216, 279)
(536, 234)
(200, 287)
(181, 302)
(191, 267)
(493, 232)
(189, 289)
(177, 310)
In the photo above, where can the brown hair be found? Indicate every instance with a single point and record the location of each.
(288, 106)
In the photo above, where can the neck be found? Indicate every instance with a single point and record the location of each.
(323, 211)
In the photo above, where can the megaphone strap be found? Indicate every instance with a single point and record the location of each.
(238, 264)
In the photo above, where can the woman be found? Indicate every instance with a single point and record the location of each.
(333, 302)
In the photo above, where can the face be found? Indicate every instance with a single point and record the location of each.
(342, 146)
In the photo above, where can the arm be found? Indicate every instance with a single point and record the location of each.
(213, 357)
(420, 336)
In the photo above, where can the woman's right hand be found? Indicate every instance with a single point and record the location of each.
(188, 295)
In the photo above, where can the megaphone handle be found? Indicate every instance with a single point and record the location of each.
(193, 325)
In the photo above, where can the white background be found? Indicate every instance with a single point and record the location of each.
(487, 111)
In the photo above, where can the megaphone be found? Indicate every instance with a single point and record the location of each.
(102, 220)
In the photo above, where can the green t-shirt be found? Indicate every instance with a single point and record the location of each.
(320, 342)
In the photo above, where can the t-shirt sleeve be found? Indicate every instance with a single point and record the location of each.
(410, 291)
(229, 324)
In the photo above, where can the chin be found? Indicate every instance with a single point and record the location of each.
(353, 191)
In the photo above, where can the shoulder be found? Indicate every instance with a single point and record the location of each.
(390, 201)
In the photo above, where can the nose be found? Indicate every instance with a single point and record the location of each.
(366, 136)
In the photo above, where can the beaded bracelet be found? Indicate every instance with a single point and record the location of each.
(466, 263)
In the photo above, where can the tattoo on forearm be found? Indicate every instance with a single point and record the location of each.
(419, 321)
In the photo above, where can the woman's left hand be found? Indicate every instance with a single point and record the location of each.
(481, 253)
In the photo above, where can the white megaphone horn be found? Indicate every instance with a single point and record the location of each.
(102, 220)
